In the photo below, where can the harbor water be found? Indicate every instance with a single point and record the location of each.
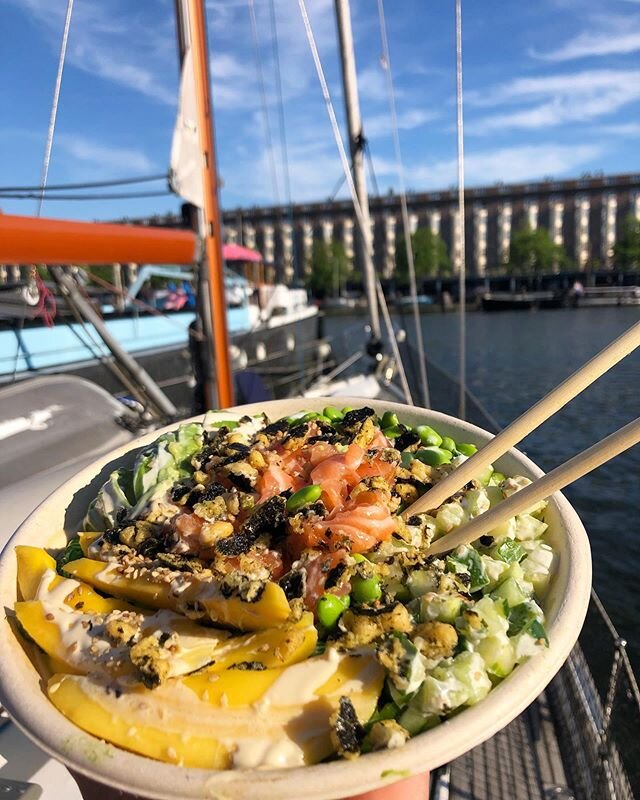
(513, 359)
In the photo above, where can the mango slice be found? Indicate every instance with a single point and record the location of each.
(86, 538)
(271, 609)
(80, 644)
(37, 579)
(274, 717)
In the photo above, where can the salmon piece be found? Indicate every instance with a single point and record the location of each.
(342, 466)
(274, 480)
(320, 452)
(334, 494)
(379, 441)
(317, 571)
(364, 521)
(377, 468)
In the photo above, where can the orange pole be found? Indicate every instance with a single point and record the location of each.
(212, 221)
(28, 240)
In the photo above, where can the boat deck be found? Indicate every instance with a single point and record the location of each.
(522, 762)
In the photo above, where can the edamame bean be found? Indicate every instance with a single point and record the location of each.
(347, 409)
(365, 590)
(393, 432)
(304, 496)
(428, 436)
(332, 413)
(309, 416)
(389, 420)
(448, 444)
(466, 449)
(434, 456)
(330, 608)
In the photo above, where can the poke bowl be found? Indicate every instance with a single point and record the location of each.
(505, 691)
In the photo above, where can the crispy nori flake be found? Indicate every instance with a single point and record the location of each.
(487, 541)
(214, 435)
(273, 428)
(243, 586)
(348, 730)
(334, 575)
(241, 481)
(268, 518)
(293, 584)
(464, 578)
(373, 611)
(256, 666)
(179, 490)
(112, 535)
(317, 509)
(180, 562)
(121, 516)
(210, 492)
(406, 439)
(330, 438)
(355, 418)
(414, 520)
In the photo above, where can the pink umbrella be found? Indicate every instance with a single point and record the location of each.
(234, 252)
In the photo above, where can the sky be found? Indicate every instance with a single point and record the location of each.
(551, 89)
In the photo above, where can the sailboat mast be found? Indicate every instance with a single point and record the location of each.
(356, 141)
(212, 229)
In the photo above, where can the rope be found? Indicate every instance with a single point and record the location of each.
(105, 196)
(87, 185)
(354, 197)
(54, 107)
(461, 213)
(263, 99)
(47, 306)
(422, 364)
(283, 137)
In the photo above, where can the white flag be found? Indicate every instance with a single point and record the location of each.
(185, 176)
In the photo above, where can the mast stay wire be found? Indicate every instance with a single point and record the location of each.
(87, 185)
(386, 66)
(462, 291)
(354, 197)
(284, 166)
(104, 196)
(54, 108)
(263, 101)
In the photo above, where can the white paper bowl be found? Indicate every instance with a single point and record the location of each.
(21, 692)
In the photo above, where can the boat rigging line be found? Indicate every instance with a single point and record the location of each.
(284, 150)
(263, 100)
(105, 196)
(54, 108)
(386, 66)
(462, 274)
(54, 187)
(376, 289)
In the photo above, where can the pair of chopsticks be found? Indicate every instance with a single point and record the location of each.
(560, 477)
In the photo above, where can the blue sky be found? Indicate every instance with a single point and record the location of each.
(552, 88)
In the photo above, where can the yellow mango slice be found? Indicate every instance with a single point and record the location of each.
(86, 538)
(37, 579)
(274, 717)
(270, 610)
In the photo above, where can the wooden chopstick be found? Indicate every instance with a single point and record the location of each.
(540, 489)
(528, 422)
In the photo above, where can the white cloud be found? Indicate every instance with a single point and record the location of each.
(578, 97)
(508, 164)
(380, 124)
(103, 158)
(115, 44)
(608, 35)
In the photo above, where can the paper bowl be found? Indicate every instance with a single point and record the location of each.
(22, 695)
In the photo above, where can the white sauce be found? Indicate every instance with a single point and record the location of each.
(55, 596)
(264, 752)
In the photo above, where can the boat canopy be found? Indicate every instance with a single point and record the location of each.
(33, 240)
(235, 252)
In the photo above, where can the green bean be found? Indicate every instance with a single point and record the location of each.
(304, 496)
(365, 590)
(434, 456)
(332, 413)
(330, 608)
(448, 444)
(393, 432)
(466, 449)
(428, 436)
(389, 420)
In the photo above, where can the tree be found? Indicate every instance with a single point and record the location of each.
(534, 251)
(430, 256)
(330, 269)
(627, 248)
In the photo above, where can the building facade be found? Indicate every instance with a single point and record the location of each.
(583, 215)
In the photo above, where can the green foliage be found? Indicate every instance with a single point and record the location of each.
(533, 251)
(627, 248)
(330, 269)
(430, 256)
